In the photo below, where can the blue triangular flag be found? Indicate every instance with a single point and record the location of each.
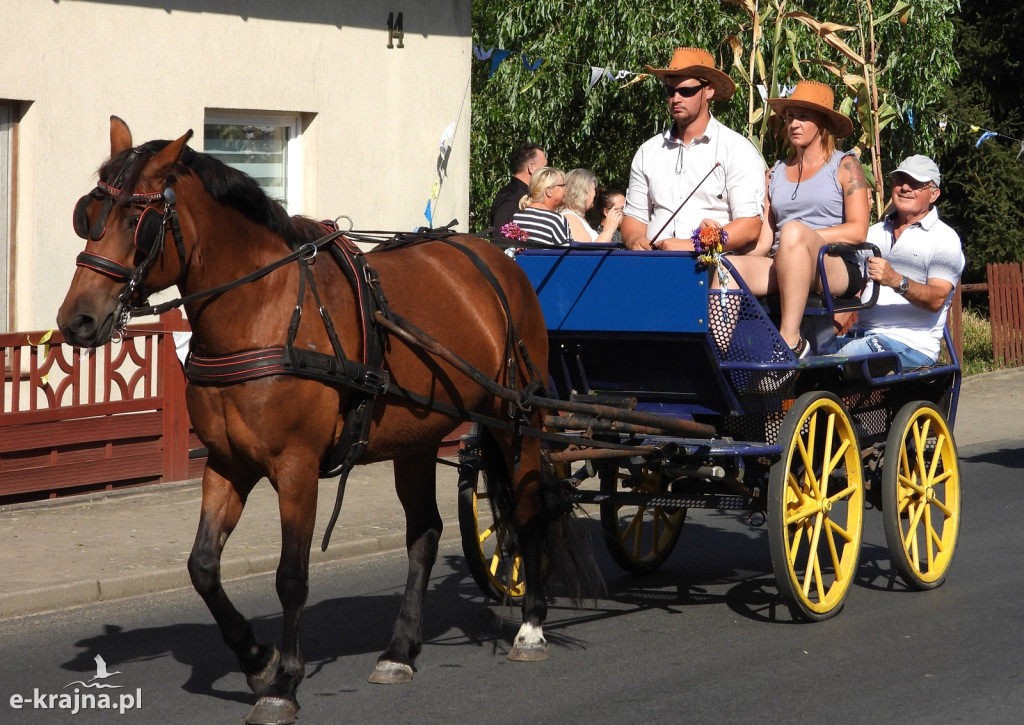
(499, 55)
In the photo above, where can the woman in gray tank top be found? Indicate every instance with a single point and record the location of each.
(817, 196)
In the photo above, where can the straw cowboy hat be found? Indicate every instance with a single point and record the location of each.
(697, 63)
(815, 96)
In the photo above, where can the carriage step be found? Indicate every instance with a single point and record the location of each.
(663, 500)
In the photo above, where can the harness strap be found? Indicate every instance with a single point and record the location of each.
(309, 364)
(104, 265)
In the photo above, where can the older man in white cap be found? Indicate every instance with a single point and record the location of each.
(921, 263)
(697, 172)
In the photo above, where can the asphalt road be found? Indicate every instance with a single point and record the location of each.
(705, 639)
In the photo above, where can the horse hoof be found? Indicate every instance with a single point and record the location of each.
(528, 652)
(273, 711)
(257, 682)
(391, 673)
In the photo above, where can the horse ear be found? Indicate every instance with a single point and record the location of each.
(120, 136)
(160, 165)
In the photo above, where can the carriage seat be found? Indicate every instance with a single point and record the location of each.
(818, 326)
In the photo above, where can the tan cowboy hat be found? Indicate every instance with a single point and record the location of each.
(818, 97)
(697, 63)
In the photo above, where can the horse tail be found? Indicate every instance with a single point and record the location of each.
(564, 540)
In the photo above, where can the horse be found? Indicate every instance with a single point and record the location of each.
(272, 388)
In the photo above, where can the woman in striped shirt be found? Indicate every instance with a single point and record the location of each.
(538, 211)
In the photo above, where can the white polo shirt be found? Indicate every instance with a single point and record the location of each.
(665, 171)
(928, 249)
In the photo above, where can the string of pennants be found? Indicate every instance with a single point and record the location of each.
(497, 56)
(985, 133)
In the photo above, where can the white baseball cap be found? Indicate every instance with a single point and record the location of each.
(920, 168)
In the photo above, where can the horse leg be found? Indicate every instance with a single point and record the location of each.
(223, 501)
(415, 482)
(277, 702)
(532, 521)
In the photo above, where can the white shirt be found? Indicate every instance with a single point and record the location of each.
(586, 226)
(928, 249)
(665, 171)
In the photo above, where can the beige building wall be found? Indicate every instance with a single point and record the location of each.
(373, 117)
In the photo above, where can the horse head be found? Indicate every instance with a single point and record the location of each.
(125, 222)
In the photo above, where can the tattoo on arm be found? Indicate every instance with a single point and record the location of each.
(854, 179)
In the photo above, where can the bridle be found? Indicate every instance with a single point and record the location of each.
(150, 232)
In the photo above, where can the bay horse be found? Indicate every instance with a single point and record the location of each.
(211, 227)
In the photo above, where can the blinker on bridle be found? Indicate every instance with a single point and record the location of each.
(150, 232)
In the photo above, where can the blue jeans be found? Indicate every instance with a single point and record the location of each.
(862, 343)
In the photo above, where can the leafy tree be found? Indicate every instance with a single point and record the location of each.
(600, 128)
(983, 185)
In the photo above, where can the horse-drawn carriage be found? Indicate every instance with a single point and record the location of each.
(309, 356)
(734, 421)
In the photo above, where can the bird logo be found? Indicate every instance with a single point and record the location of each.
(101, 674)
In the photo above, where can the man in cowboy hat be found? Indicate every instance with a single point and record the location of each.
(921, 262)
(697, 172)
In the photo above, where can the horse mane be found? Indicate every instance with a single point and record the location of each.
(227, 185)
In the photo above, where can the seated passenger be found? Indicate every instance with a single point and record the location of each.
(607, 211)
(538, 211)
(920, 266)
(817, 196)
(580, 190)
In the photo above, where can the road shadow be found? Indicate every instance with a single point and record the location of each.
(718, 561)
(1009, 457)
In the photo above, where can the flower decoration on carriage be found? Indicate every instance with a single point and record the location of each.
(709, 243)
(514, 232)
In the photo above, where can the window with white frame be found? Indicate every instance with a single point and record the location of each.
(7, 122)
(263, 145)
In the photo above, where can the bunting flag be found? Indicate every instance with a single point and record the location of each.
(540, 64)
(529, 66)
(496, 58)
(428, 214)
(480, 54)
(597, 73)
(985, 137)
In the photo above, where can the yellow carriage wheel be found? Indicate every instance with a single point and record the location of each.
(816, 506)
(921, 495)
(496, 566)
(639, 537)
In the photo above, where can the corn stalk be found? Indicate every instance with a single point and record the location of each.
(861, 80)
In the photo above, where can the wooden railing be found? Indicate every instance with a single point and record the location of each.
(75, 421)
(79, 420)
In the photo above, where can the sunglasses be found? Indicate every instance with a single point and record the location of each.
(914, 184)
(685, 91)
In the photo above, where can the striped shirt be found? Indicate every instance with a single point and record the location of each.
(543, 226)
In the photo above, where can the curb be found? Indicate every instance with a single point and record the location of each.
(74, 594)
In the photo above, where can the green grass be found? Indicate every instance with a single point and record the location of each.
(977, 343)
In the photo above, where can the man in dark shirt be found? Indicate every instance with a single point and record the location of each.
(524, 161)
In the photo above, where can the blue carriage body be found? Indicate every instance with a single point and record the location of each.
(646, 326)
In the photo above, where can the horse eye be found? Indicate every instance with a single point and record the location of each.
(133, 222)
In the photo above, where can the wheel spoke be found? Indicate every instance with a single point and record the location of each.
(833, 550)
(812, 558)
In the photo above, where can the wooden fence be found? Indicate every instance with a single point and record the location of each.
(80, 420)
(75, 421)
(1006, 312)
